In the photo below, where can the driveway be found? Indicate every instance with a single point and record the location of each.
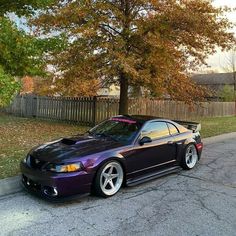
(197, 202)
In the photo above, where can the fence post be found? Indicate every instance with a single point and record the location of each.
(34, 106)
(63, 109)
(94, 110)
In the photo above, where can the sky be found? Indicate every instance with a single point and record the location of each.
(218, 61)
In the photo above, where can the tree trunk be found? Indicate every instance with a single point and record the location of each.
(123, 106)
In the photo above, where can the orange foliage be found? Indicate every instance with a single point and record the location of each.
(73, 87)
(27, 85)
(76, 87)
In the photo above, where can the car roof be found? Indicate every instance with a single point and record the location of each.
(140, 118)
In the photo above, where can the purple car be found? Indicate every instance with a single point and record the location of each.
(123, 150)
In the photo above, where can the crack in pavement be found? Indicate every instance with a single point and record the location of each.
(207, 180)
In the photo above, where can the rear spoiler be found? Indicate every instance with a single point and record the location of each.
(194, 126)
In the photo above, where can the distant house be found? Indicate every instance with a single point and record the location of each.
(215, 81)
(112, 90)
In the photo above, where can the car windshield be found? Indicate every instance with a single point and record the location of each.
(120, 130)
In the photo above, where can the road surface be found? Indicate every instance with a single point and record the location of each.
(197, 202)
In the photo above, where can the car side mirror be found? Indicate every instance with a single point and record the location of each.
(144, 140)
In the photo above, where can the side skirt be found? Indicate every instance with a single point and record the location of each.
(153, 175)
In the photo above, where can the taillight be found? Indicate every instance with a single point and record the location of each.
(199, 146)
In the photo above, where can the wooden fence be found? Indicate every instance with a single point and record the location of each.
(91, 110)
(179, 110)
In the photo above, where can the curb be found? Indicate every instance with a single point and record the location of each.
(12, 185)
(218, 138)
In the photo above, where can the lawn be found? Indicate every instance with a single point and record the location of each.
(18, 135)
(217, 125)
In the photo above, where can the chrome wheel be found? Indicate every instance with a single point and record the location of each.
(111, 178)
(191, 156)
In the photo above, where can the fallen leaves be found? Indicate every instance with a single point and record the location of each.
(18, 135)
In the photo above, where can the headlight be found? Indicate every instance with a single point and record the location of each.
(26, 158)
(64, 167)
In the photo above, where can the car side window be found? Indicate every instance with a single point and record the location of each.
(155, 130)
(173, 129)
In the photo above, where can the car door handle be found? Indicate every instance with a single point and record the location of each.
(170, 142)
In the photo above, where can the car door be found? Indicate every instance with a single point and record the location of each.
(153, 155)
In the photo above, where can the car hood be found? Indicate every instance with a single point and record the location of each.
(72, 147)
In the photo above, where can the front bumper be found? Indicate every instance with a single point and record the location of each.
(55, 185)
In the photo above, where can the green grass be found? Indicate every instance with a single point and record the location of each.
(217, 125)
(18, 135)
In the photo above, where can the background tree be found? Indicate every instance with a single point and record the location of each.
(137, 42)
(72, 88)
(227, 94)
(8, 87)
(20, 53)
(27, 85)
(23, 7)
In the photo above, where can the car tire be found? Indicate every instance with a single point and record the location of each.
(190, 157)
(109, 179)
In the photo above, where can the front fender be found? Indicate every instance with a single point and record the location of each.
(118, 158)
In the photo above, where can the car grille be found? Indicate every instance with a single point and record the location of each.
(35, 163)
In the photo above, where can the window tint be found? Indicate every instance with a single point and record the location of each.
(118, 129)
(173, 129)
(155, 130)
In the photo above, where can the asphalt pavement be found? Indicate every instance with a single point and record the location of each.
(197, 202)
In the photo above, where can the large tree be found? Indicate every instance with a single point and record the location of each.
(148, 43)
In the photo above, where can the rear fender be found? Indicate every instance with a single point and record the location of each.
(196, 142)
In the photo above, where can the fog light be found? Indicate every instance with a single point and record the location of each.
(50, 191)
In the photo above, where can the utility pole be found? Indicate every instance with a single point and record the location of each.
(234, 76)
(231, 67)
